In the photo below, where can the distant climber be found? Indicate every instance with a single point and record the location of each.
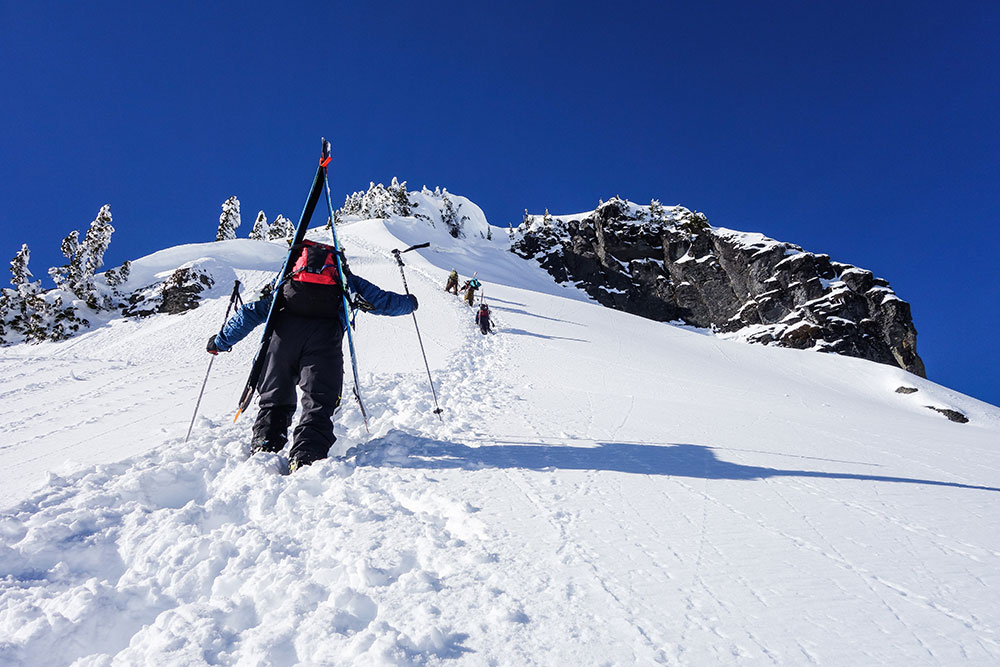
(483, 319)
(452, 284)
(470, 288)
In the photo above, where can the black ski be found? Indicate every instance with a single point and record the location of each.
(300, 232)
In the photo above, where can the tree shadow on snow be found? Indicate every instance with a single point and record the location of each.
(676, 460)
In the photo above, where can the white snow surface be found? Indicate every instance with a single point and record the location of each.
(602, 490)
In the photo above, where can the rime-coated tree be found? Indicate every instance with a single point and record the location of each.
(118, 277)
(546, 219)
(26, 307)
(378, 203)
(260, 228)
(281, 228)
(656, 212)
(20, 273)
(352, 204)
(84, 258)
(69, 276)
(95, 244)
(449, 215)
(400, 198)
(229, 221)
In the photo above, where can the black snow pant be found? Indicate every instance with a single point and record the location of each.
(305, 352)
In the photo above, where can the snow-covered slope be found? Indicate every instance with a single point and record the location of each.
(603, 489)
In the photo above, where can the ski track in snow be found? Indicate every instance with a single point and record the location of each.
(547, 519)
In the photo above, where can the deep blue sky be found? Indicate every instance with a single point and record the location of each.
(865, 130)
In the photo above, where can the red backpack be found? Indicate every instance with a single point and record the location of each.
(313, 287)
(316, 263)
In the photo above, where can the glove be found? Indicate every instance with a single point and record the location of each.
(414, 300)
(212, 348)
(362, 304)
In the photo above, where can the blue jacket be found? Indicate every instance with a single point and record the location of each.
(252, 315)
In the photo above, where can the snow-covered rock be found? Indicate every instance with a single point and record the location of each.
(669, 264)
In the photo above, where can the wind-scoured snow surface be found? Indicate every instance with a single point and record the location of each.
(603, 489)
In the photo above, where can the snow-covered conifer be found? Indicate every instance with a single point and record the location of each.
(449, 215)
(229, 221)
(96, 242)
(19, 266)
(119, 276)
(378, 203)
(260, 228)
(656, 212)
(352, 204)
(25, 305)
(281, 228)
(400, 198)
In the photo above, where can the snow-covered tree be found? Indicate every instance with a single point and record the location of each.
(84, 258)
(95, 244)
(449, 215)
(260, 228)
(379, 201)
(26, 309)
(229, 221)
(400, 198)
(20, 273)
(656, 212)
(281, 228)
(69, 277)
(119, 276)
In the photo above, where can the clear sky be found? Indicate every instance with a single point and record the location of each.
(865, 130)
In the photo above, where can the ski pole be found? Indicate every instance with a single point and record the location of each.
(399, 260)
(233, 298)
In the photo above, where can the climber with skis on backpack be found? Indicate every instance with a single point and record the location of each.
(470, 288)
(305, 350)
(483, 319)
(452, 284)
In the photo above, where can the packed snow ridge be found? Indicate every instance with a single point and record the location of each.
(602, 488)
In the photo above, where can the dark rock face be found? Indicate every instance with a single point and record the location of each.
(669, 264)
(179, 293)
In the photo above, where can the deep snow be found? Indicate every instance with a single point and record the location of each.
(603, 490)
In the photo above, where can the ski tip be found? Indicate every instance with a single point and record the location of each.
(238, 413)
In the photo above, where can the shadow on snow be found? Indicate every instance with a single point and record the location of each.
(678, 460)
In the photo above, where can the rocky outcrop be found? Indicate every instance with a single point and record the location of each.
(669, 264)
(179, 293)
